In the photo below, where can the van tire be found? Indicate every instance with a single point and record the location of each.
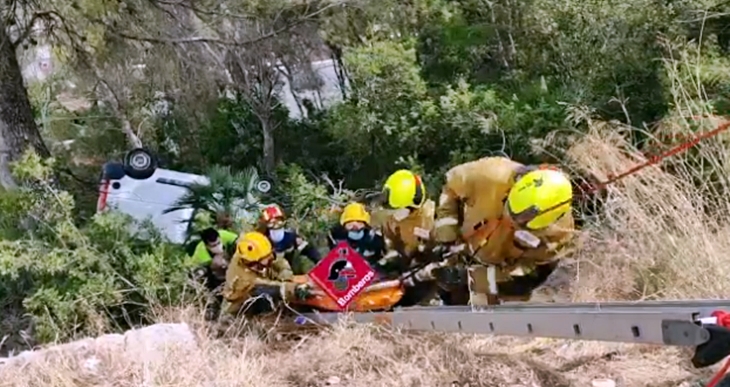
(263, 186)
(140, 164)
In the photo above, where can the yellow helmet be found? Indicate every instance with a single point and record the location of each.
(540, 197)
(404, 189)
(254, 247)
(355, 212)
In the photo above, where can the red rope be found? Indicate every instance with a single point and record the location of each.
(657, 158)
(719, 375)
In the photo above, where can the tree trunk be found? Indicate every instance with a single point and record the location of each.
(269, 153)
(18, 130)
(339, 65)
(110, 97)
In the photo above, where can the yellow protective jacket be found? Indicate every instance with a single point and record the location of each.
(242, 282)
(471, 209)
(411, 238)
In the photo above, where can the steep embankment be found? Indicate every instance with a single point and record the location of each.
(195, 354)
(348, 356)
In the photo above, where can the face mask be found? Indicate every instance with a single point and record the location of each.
(401, 214)
(216, 249)
(356, 235)
(276, 235)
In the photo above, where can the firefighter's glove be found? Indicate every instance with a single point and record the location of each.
(408, 281)
(448, 249)
(303, 292)
(439, 251)
(451, 275)
(200, 274)
(422, 275)
(456, 249)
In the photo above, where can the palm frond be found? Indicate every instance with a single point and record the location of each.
(231, 193)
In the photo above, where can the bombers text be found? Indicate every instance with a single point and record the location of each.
(342, 301)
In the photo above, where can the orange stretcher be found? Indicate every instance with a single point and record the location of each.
(378, 296)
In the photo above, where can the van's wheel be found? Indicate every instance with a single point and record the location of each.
(263, 186)
(139, 164)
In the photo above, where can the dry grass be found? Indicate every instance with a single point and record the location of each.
(664, 232)
(660, 235)
(349, 355)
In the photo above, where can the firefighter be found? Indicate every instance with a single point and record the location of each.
(408, 232)
(301, 255)
(256, 279)
(354, 228)
(214, 250)
(211, 257)
(511, 219)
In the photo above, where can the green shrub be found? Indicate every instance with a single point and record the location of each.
(73, 278)
(312, 207)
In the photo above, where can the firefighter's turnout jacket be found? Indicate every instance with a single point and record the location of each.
(409, 240)
(244, 283)
(471, 208)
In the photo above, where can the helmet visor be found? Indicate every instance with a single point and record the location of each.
(522, 218)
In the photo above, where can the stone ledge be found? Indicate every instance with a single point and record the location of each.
(148, 344)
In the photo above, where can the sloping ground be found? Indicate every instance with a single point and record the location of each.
(352, 355)
(364, 356)
(349, 355)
